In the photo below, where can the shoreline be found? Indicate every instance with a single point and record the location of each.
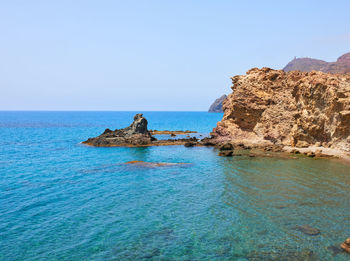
(259, 152)
(325, 152)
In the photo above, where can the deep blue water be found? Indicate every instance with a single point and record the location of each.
(60, 200)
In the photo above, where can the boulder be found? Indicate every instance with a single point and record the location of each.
(310, 154)
(346, 245)
(207, 142)
(318, 153)
(226, 146)
(226, 153)
(225, 149)
(189, 144)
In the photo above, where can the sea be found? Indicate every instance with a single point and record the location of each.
(62, 200)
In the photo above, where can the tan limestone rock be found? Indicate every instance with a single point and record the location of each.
(272, 107)
(346, 245)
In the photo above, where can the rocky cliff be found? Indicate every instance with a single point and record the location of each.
(342, 65)
(274, 107)
(217, 104)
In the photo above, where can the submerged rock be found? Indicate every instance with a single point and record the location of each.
(284, 254)
(154, 253)
(308, 230)
(141, 163)
(335, 250)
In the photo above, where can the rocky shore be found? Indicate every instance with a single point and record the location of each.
(268, 112)
(304, 111)
(271, 110)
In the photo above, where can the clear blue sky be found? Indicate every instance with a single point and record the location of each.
(153, 55)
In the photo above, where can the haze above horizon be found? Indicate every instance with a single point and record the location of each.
(153, 55)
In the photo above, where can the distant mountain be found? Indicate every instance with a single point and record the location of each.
(342, 65)
(217, 105)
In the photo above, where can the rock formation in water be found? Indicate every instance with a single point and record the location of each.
(272, 107)
(217, 105)
(135, 134)
(342, 65)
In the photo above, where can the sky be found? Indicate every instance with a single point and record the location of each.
(153, 55)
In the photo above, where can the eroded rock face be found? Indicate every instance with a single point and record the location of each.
(138, 126)
(273, 107)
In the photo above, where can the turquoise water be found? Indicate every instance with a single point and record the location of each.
(60, 200)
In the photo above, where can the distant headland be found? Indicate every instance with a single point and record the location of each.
(342, 65)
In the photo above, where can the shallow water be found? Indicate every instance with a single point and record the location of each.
(60, 200)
